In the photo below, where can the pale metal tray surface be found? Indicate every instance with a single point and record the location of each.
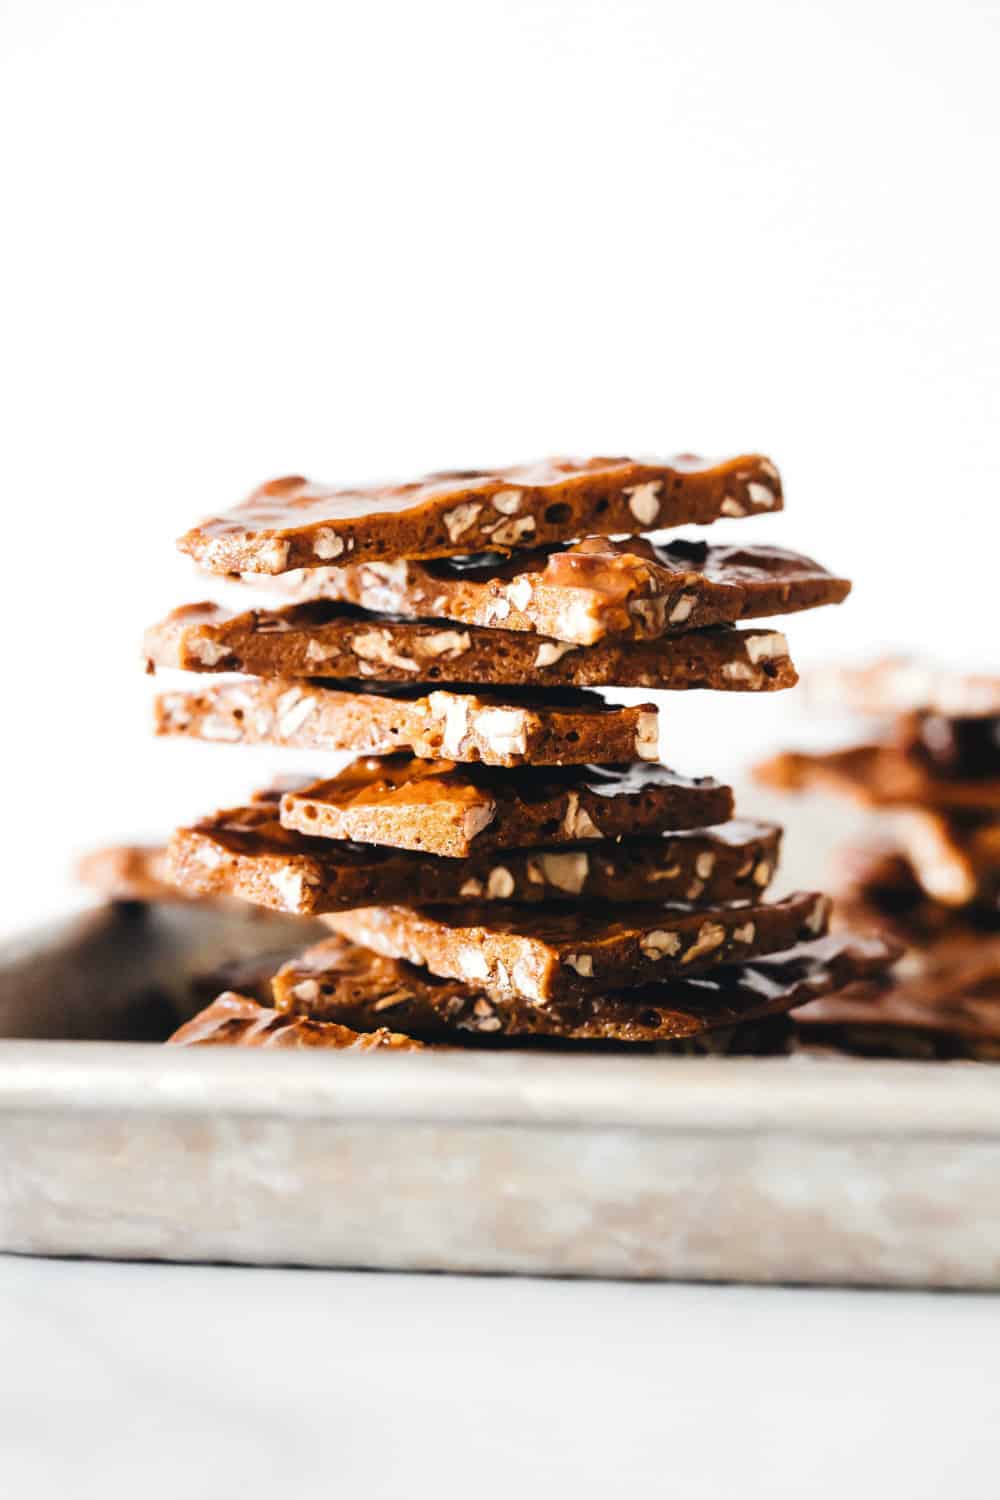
(781, 1169)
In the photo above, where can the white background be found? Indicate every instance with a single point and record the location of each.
(356, 240)
(369, 238)
(199, 1383)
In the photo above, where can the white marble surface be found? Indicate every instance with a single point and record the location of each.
(204, 1383)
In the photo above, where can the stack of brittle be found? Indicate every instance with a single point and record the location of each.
(506, 859)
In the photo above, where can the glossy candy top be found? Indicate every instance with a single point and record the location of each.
(292, 523)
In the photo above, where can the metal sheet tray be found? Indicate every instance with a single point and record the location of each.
(801, 1169)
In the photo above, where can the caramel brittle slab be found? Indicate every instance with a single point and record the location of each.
(955, 980)
(561, 727)
(900, 684)
(438, 807)
(129, 872)
(338, 641)
(245, 852)
(942, 1001)
(235, 1020)
(962, 748)
(954, 856)
(877, 776)
(555, 954)
(292, 523)
(588, 591)
(338, 981)
(877, 890)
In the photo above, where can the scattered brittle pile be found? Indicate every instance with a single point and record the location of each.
(929, 878)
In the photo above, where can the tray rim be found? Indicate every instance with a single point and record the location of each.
(858, 1097)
